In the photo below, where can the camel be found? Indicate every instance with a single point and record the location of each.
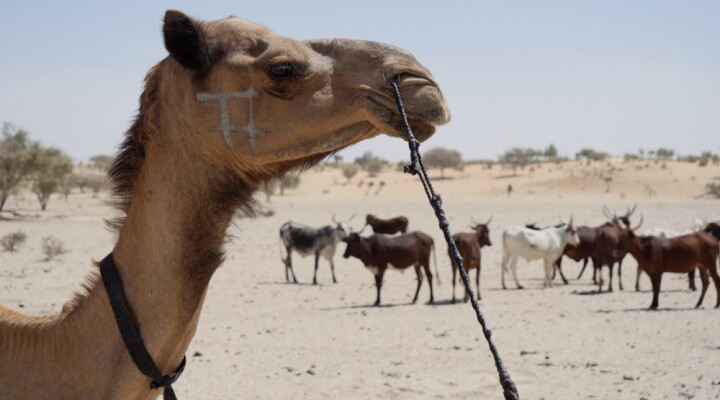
(232, 105)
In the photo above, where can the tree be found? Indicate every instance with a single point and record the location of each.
(52, 168)
(664, 154)
(551, 152)
(442, 158)
(517, 158)
(102, 162)
(17, 160)
(349, 171)
(591, 155)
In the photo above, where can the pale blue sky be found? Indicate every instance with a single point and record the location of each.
(614, 75)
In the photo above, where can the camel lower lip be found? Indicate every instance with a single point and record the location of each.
(421, 129)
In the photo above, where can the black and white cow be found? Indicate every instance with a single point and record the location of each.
(306, 240)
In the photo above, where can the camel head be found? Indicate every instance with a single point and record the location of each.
(246, 98)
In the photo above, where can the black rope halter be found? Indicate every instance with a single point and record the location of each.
(509, 389)
(133, 341)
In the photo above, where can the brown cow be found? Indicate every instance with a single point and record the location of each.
(380, 252)
(607, 251)
(469, 245)
(680, 254)
(387, 226)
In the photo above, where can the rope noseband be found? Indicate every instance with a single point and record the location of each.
(133, 342)
(509, 389)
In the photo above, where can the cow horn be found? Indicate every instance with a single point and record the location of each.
(489, 220)
(571, 220)
(630, 212)
(638, 225)
(363, 228)
(606, 211)
(333, 218)
(351, 217)
(472, 220)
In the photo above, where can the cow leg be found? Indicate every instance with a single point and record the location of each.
(557, 264)
(332, 269)
(287, 272)
(705, 283)
(637, 279)
(597, 279)
(656, 279)
(378, 285)
(610, 289)
(289, 265)
(426, 267)
(419, 282)
(559, 269)
(548, 273)
(582, 270)
(317, 262)
(504, 268)
(454, 279)
(513, 269)
(716, 279)
(477, 282)
(691, 280)
(620, 285)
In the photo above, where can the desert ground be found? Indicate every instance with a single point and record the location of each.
(262, 338)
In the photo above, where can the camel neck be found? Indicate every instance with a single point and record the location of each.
(168, 248)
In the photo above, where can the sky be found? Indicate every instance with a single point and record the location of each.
(614, 75)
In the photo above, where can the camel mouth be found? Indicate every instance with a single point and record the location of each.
(422, 123)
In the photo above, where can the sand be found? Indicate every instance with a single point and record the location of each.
(260, 338)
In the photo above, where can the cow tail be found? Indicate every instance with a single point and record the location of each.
(437, 275)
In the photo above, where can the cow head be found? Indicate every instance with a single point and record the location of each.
(627, 239)
(713, 228)
(618, 219)
(571, 236)
(482, 232)
(342, 228)
(356, 246)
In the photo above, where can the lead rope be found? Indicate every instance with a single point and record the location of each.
(509, 389)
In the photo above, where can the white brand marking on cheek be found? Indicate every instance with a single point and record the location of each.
(225, 125)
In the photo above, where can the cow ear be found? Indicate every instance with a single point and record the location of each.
(185, 40)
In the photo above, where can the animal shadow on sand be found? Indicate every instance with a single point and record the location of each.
(283, 283)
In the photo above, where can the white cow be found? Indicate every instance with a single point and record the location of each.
(664, 233)
(546, 244)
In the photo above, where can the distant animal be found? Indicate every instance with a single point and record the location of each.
(469, 245)
(680, 254)
(584, 251)
(546, 244)
(380, 252)
(698, 225)
(306, 240)
(606, 245)
(389, 226)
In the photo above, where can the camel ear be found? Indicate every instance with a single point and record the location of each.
(185, 41)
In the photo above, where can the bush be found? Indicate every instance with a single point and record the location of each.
(349, 171)
(370, 163)
(12, 241)
(52, 247)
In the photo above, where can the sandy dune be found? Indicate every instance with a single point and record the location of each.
(260, 338)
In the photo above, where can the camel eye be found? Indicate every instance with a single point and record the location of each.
(282, 71)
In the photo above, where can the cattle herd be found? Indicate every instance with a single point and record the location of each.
(392, 247)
